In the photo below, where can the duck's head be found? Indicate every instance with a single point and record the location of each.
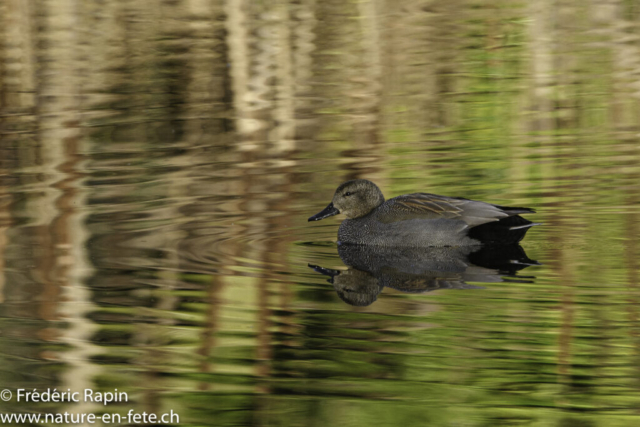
(354, 198)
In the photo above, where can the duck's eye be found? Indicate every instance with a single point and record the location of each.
(348, 193)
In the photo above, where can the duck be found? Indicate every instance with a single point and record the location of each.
(421, 219)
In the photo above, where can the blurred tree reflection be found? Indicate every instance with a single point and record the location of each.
(158, 160)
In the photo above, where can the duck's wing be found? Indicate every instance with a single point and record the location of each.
(432, 206)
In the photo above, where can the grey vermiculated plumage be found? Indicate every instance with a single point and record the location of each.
(421, 219)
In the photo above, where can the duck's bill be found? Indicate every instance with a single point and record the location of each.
(325, 271)
(325, 213)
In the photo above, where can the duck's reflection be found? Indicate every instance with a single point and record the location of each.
(419, 270)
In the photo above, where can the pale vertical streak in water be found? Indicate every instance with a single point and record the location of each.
(274, 44)
(239, 63)
(5, 221)
(17, 98)
(8, 32)
(205, 94)
(271, 103)
(19, 62)
(59, 138)
(367, 120)
(254, 143)
(251, 104)
(304, 22)
(362, 77)
(204, 108)
(256, 249)
(220, 294)
(284, 130)
(334, 66)
(272, 56)
(143, 90)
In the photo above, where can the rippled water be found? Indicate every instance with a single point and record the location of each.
(159, 161)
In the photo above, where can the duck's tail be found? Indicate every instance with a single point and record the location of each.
(506, 231)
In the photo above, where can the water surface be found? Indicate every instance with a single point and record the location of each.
(159, 161)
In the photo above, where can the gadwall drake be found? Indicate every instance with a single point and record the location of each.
(421, 219)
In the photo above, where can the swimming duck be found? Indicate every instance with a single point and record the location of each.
(421, 219)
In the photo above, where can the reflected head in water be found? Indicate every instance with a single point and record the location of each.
(421, 219)
(420, 270)
(355, 287)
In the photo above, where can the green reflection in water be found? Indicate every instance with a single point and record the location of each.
(158, 161)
